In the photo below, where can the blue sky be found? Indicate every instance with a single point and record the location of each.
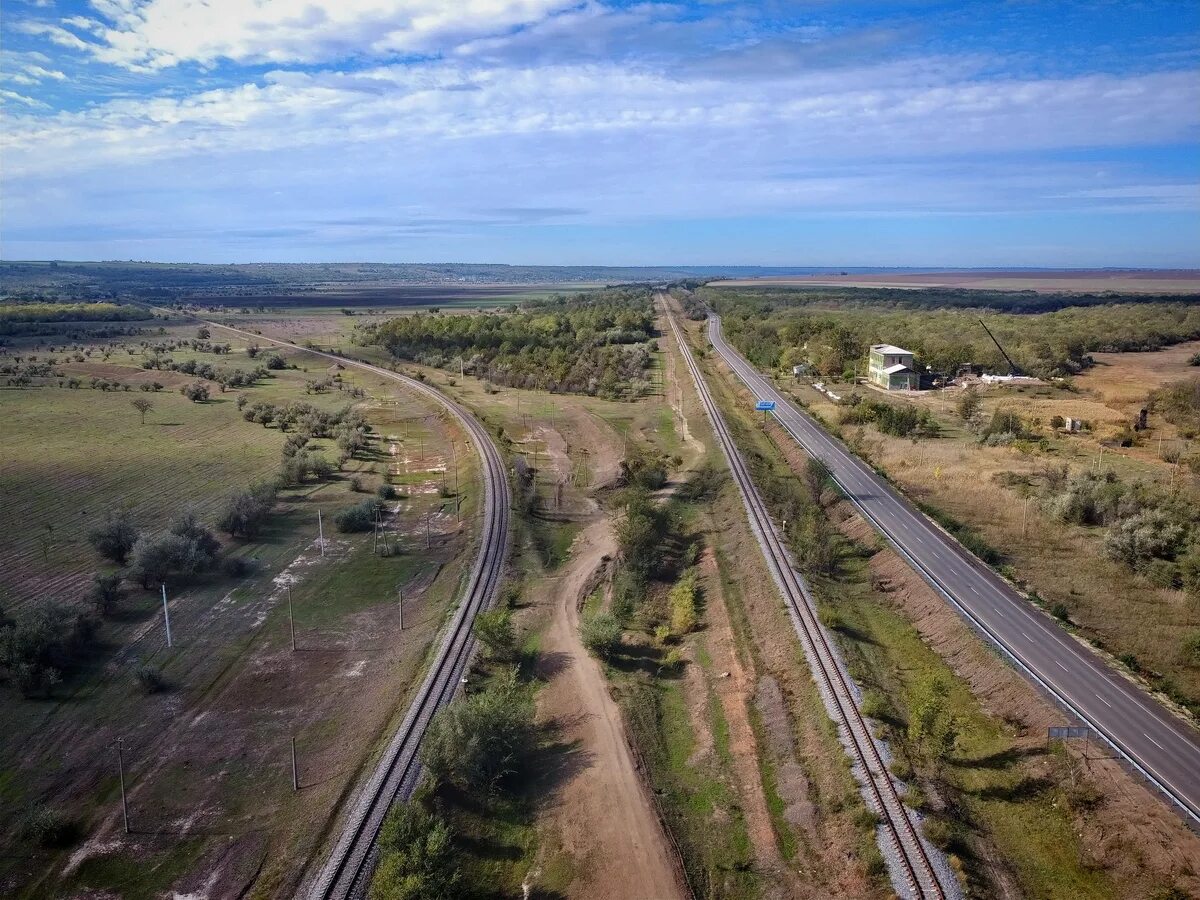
(914, 132)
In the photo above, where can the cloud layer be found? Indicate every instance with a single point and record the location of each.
(196, 123)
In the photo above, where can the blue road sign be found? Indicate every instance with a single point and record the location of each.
(765, 405)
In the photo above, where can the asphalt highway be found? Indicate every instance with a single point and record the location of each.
(1162, 747)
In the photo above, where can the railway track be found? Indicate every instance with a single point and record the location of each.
(346, 872)
(912, 860)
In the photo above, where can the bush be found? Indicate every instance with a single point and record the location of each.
(48, 827)
(1191, 649)
(682, 602)
(150, 678)
(114, 538)
(360, 517)
(356, 485)
(417, 860)
(481, 739)
(386, 492)
(44, 644)
(494, 630)
(601, 634)
(1060, 612)
(236, 566)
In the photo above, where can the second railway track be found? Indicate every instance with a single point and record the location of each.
(346, 872)
(921, 879)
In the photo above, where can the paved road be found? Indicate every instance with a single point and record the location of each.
(1165, 749)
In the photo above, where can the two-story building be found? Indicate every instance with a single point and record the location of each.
(891, 368)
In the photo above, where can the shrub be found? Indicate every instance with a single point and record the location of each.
(682, 602)
(1150, 534)
(276, 362)
(150, 678)
(386, 492)
(417, 860)
(236, 566)
(601, 634)
(1191, 649)
(48, 827)
(356, 485)
(494, 630)
(114, 538)
(1060, 612)
(43, 644)
(360, 517)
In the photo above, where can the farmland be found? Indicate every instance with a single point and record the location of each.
(205, 737)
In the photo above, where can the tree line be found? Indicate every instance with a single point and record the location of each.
(597, 344)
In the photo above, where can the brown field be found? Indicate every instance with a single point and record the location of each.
(1185, 281)
(1063, 564)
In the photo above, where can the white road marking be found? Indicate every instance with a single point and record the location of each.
(1153, 741)
(1027, 637)
(1105, 702)
(1061, 666)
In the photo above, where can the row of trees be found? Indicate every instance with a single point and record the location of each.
(833, 332)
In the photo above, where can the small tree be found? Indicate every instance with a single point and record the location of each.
(968, 403)
(106, 592)
(114, 538)
(932, 727)
(202, 333)
(142, 405)
(197, 391)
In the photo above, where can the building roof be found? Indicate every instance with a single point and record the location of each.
(896, 369)
(891, 350)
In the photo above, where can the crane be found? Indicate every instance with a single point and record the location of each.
(1013, 369)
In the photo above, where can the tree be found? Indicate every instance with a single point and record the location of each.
(114, 538)
(481, 739)
(494, 629)
(142, 405)
(43, 644)
(197, 391)
(106, 592)
(245, 511)
(417, 859)
(202, 333)
(968, 403)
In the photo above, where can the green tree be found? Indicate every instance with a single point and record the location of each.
(114, 537)
(476, 742)
(968, 403)
(682, 603)
(106, 592)
(417, 858)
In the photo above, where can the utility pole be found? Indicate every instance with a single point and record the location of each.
(428, 525)
(121, 776)
(400, 606)
(295, 773)
(291, 618)
(166, 614)
(461, 373)
(321, 532)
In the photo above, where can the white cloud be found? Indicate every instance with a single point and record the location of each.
(157, 34)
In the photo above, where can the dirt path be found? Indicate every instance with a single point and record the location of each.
(600, 815)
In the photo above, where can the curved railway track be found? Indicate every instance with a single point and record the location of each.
(346, 872)
(921, 878)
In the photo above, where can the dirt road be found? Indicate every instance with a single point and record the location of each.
(600, 815)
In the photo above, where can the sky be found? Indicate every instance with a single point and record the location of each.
(807, 133)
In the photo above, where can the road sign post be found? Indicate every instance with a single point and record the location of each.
(765, 407)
